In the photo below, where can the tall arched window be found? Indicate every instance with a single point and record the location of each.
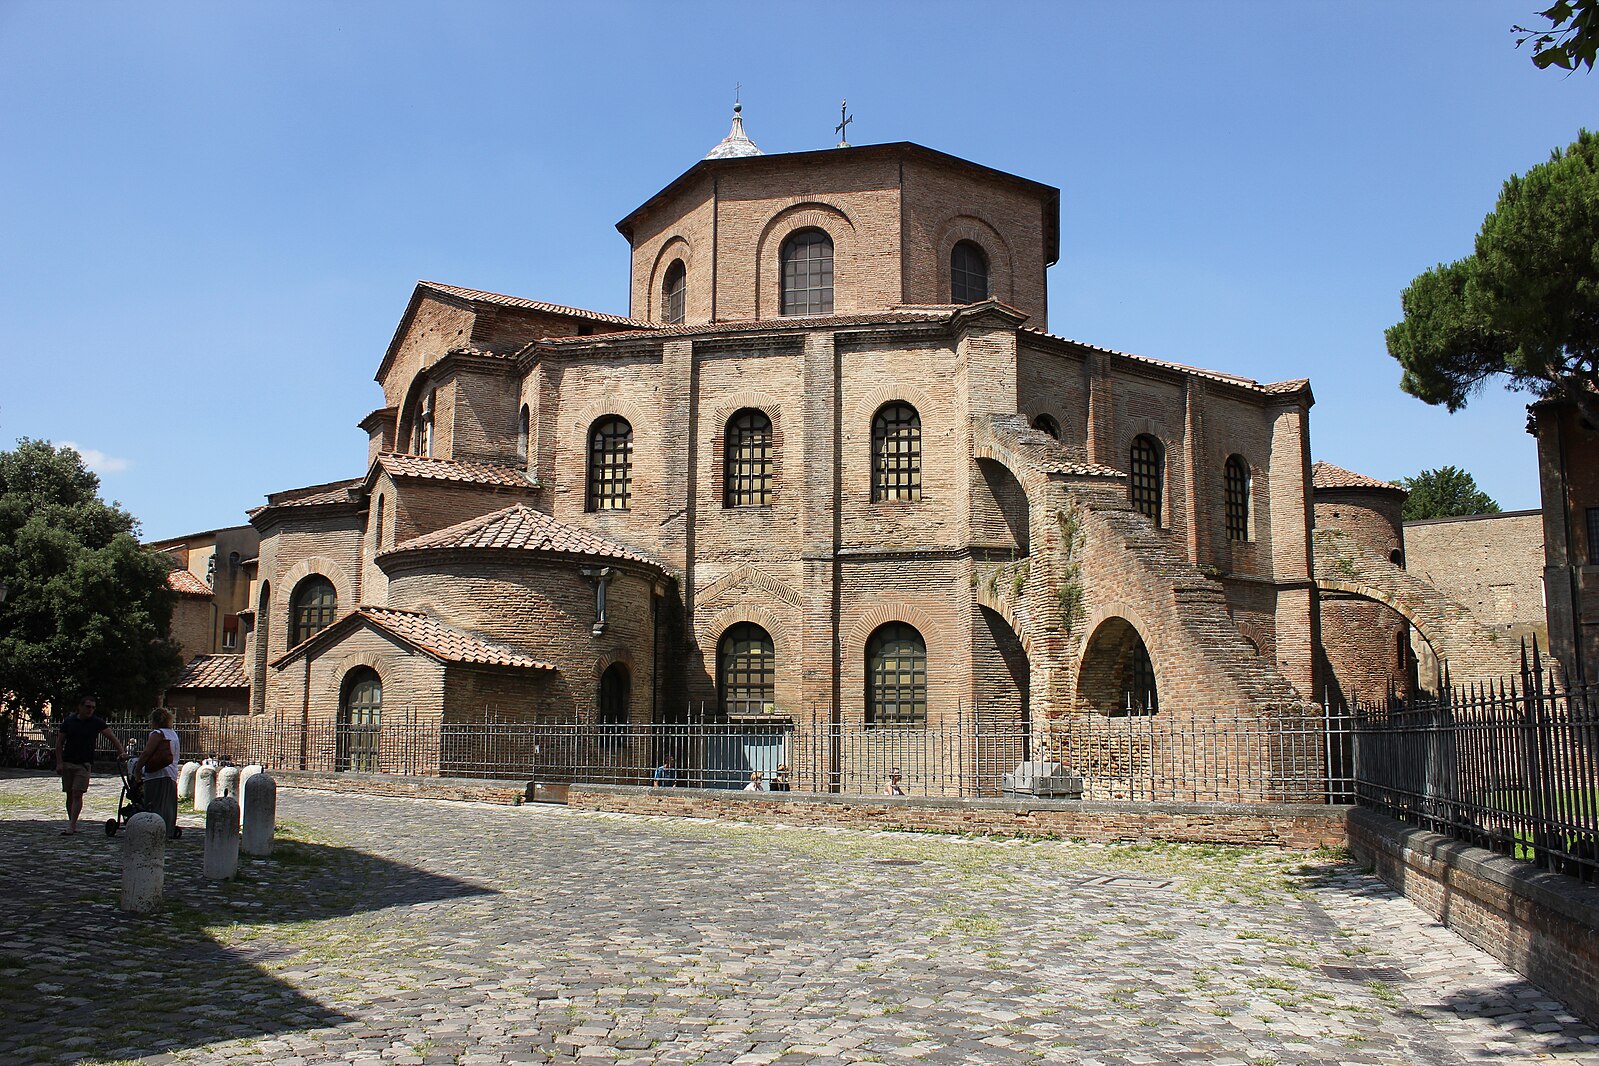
(616, 692)
(524, 431)
(377, 523)
(422, 435)
(674, 291)
(747, 473)
(1047, 424)
(968, 273)
(1237, 498)
(1146, 472)
(808, 273)
(360, 720)
(896, 677)
(610, 485)
(897, 453)
(311, 608)
(746, 671)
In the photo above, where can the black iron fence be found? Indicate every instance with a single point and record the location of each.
(1512, 766)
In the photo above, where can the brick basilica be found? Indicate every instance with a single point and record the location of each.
(833, 467)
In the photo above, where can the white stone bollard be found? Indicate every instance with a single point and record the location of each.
(144, 860)
(205, 787)
(244, 779)
(261, 801)
(186, 775)
(228, 781)
(222, 838)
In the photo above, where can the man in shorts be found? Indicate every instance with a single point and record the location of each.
(75, 756)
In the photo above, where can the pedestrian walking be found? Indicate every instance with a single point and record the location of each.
(159, 765)
(75, 755)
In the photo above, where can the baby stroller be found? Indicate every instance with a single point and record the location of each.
(131, 801)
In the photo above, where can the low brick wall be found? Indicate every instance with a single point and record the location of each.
(466, 789)
(1285, 825)
(1544, 926)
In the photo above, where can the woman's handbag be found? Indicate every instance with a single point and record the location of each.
(161, 758)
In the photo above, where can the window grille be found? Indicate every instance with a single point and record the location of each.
(747, 671)
(1237, 498)
(747, 479)
(896, 677)
(610, 485)
(808, 274)
(312, 610)
(968, 273)
(674, 292)
(897, 453)
(1144, 487)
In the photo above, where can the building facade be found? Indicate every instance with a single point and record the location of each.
(832, 469)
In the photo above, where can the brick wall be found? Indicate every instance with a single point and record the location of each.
(1271, 825)
(1544, 926)
(1491, 564)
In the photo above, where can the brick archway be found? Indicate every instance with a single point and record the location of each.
(1108, 672)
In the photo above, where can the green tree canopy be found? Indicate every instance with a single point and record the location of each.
(1448, 492)
(1571, 39)
(1525, 304)
(86, 608)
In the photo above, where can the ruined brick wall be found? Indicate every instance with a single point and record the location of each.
(1490, 564)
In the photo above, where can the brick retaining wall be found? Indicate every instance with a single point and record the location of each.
(465, 789)
(1278, 825)
(1544, 926)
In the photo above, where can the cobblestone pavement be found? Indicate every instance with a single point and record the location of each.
(415, 932)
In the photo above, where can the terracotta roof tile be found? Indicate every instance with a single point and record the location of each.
(761, 325)
(520, 528)
(502, 300)
(1275, 388)
(310, 496)
(1045, 453)
(476, 473)
(213, 671)
(1327, 476)
(185, 583)
(446, 642)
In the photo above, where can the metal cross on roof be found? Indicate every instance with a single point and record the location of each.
(846, 118)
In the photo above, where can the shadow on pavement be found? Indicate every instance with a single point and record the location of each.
(81, 980)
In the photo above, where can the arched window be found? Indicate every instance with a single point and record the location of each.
(1047, 424)
(311, 609)
(377, 523)
(746, 671)
(360, 719)
(610, 465)
(808, 273)
(897, 453)
(896, 677)
(674, 290)
(747, 473)
(1145, 474)
(616, 691)
(524, 430)
(233, 561)
(968, 273)
(422, 435)
(1237, 498)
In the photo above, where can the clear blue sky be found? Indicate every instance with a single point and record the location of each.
(211, 215)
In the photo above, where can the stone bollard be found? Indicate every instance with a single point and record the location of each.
(186, 774)
(261, 801)
(222, 838)
(244, 779)
(144, 860)
(205, 787)
(228, 781)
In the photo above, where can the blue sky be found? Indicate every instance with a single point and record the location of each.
(211, 215)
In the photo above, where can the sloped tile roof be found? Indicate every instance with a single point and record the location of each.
(1327, 476)
(421, 466)
(310, 496)
(213, 671)
(760, 325)
(502, 300)
(185, 583)
(428, 635)
(520, 528)
(1276, 388)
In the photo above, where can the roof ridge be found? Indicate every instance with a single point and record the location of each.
(505, 299)
(521, 527)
